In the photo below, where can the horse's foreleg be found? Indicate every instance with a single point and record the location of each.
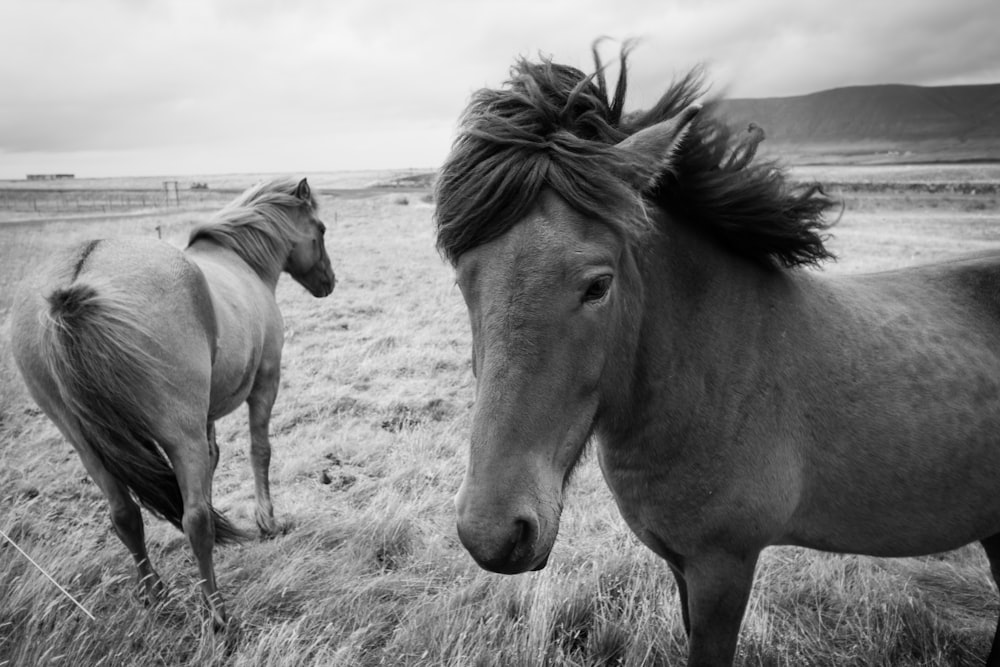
(718, 587)
(126, 518)
(260, 402)
(992, 546)
(683, 595)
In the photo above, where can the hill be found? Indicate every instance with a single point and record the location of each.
(878, 124)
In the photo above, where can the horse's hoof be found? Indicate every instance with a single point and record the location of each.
(274, 529)
(156, 594)
(267, 526)
(151, 590)
(220, 619)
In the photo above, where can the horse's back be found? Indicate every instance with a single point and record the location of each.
(138, 264)
(956, 300)
(166, 289)
(975, 275)
(951, 305)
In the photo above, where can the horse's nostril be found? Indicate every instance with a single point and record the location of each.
(506, 550)
(522, 542)
(527, 531)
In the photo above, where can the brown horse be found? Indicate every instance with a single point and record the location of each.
(134, 348)
(634, 280)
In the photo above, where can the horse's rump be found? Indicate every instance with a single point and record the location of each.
(102, 356)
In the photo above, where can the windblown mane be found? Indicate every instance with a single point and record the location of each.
(553, 126)
(257, 225)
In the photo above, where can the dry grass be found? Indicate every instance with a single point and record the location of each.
(369, 447)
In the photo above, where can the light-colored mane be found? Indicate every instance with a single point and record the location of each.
(257, 226)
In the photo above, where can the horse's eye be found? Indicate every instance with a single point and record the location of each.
(597, 289)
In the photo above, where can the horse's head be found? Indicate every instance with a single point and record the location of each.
(555, 304)
(307, 261)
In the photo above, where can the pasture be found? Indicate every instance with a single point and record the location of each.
(370, 435)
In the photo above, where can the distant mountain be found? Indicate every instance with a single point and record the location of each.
(884, 123)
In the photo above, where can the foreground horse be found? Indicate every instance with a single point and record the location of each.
(134, 348)
(634, 280)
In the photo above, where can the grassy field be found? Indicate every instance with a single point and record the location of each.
(369, 436)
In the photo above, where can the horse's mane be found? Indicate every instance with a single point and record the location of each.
(553, 126)
(257, 225)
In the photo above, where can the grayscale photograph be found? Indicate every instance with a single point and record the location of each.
(499, 334)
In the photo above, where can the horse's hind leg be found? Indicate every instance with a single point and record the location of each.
(260, 402)
(186, 446)
(126, 518)
(213, 446)
(992, 546)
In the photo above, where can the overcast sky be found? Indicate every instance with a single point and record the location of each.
(175, 87)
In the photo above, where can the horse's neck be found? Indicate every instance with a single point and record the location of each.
(208, 250)
(705, 313)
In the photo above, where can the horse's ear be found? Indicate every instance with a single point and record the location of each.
(302, 191)
(654, 148)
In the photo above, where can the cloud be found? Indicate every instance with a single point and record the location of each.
(344, 83)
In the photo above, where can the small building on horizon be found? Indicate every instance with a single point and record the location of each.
(50, 177)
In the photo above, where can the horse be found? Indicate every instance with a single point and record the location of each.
(134, 348)
(638, 280)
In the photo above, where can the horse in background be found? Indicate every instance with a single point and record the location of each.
(134, 348)
(635, 279)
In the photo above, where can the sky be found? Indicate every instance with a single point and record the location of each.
(102, 88)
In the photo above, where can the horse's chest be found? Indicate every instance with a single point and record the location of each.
(669, 506)
(644, 495)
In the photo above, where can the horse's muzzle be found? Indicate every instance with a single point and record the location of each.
(322, 286)
(505, 549)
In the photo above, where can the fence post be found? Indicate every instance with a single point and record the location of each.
(167, 185)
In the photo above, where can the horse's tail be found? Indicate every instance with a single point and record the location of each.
(98, 352)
